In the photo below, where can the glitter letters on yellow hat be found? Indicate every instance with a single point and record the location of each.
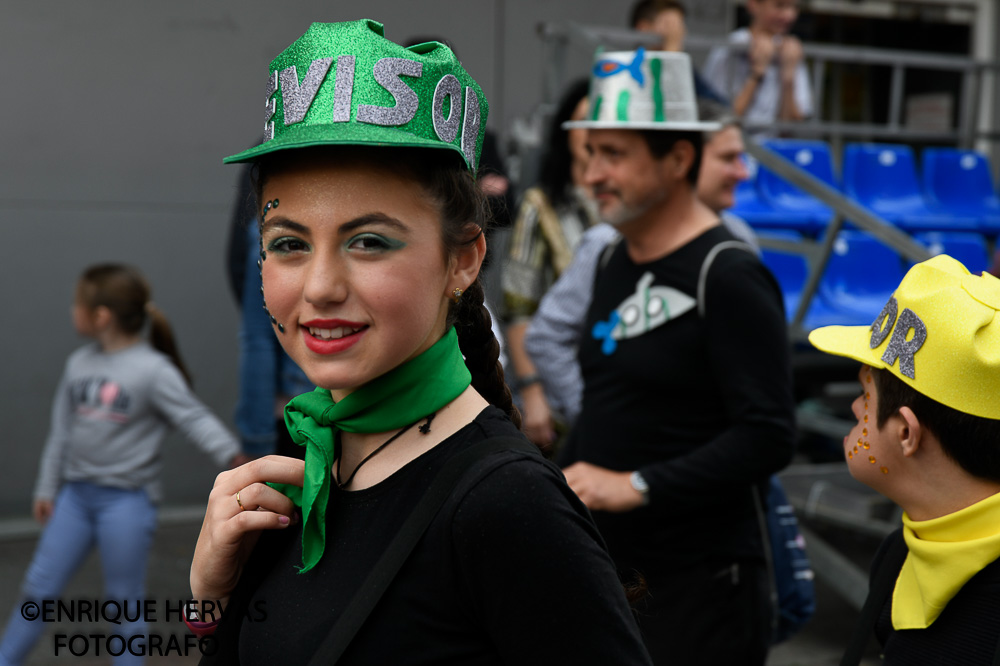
(939, 333)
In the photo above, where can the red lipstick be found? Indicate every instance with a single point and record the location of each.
(331, 345)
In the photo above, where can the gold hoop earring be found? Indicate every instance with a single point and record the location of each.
(456, 294)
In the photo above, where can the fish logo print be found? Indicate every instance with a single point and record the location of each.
(605, 68)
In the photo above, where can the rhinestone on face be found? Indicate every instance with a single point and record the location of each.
(850, 454)
(866, 418)
(871, 459)
(885, 470)
(864, 432)
(275, 202)
(866, 445)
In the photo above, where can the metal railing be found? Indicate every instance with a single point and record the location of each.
(558, 38)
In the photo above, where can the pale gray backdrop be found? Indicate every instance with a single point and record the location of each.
(115, 118)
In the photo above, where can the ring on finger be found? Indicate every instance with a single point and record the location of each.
(242, 508)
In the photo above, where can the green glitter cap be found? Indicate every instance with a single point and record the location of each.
(345, 83)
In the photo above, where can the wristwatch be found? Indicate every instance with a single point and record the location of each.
(639, 483)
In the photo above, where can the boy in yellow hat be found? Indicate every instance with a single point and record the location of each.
(928, 437)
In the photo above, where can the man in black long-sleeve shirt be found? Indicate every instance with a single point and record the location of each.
(687, 405)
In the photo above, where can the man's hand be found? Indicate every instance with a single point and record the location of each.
(602, 489)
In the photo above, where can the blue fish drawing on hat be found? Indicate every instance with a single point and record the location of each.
(645, 309)
(605, 68)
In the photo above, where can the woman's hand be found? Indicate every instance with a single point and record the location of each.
(42, 510)
(537, 423)
(230, 530)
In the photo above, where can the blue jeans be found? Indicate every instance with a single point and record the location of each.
(121, 523)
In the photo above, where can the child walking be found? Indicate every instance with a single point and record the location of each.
(98, 481)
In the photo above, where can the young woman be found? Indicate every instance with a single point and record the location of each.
(372, 241)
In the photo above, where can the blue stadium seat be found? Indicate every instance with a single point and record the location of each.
(758, 212)
(883, 178)
(790, 270)
(969, 248)
(861, 275)
(813, 157)
(961, 182)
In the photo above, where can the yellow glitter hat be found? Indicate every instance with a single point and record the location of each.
(939, 333)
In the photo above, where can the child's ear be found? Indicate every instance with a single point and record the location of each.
(103, 316)
(908, 430)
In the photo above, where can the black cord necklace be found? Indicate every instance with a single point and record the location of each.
(424, 429)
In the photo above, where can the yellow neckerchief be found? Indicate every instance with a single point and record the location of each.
(944, 554)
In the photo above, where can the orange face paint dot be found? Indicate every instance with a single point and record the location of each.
(885, 470)
(871, 459)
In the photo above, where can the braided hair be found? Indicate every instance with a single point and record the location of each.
(465, 215)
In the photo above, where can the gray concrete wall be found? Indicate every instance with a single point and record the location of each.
(115, 118)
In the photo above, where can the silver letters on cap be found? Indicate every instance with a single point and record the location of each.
(470, 128)
(387, 72)
(903, 349)
(272, 87)
(447, 88)
(298, 98)
(343, 89)
(882, 325)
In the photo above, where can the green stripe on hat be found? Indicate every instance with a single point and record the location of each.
(623, 98)
(655, 66)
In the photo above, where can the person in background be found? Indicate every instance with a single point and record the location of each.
(687, 402)
(761, 69)
(98, 481)
(268, 377)
(667, 18)
(553, 217)
(554, 333)
(927, 436)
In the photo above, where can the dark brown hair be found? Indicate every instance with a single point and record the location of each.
(661, 142)
(465, 216)
(648, 10)
(971, 441)
(124, 291)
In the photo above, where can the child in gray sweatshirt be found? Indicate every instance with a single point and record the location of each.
(99, 476)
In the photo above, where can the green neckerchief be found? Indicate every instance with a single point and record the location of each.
(403, 395)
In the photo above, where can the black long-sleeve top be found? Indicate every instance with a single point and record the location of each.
(702, 406)
(510, 571)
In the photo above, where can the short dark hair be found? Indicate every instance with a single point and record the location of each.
(648, 10)
(971, 441)
(661, 142)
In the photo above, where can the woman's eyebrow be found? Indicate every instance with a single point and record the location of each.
(284, 224)
(373, 218)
